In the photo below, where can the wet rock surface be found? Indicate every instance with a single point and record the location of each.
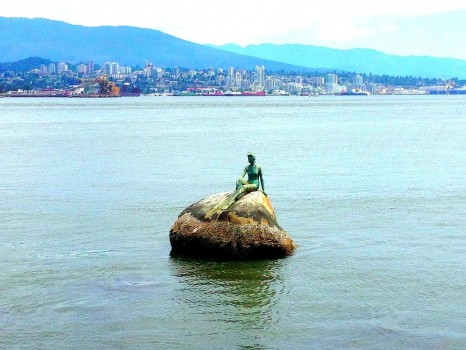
(246, 230)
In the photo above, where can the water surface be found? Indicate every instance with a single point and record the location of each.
(372, 189)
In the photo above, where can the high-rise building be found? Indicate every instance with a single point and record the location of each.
(52, 69)
(238, 79)
(43, 69)
(90, 67)
(357, 80)
(81, 69)
(331, 78)
(317, 81)
(260, 78)
(125, 70)
(115, 68)
(62, 67)
(107, 68)
(331, 83)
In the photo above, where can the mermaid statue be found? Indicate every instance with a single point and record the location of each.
(254, 181)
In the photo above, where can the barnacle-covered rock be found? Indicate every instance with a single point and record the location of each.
(248, 229)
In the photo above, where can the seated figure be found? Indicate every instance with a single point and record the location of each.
(254, 181)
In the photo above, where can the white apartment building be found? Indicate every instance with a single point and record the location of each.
(259, 81)
(52, 69)
(331, 83)
(81, 69)
(62, 67)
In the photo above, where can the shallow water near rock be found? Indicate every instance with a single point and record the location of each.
(371, 189)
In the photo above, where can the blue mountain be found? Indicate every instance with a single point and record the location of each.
(355, 60)
(21, 38)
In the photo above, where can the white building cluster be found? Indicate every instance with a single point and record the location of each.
(109, 68)
(242, 79)
(232, 79)
(62, 68)
(114, 69)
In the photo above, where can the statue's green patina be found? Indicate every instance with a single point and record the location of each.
(255, 178)
(254, 181)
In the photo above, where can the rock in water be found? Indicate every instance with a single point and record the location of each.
(246, 230)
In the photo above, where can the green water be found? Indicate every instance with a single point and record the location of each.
(372, 190)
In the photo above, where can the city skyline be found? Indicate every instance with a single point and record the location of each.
(46, 80)
(411, 28)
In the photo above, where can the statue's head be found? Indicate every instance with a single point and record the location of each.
(251, 157)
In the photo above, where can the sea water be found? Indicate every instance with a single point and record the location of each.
(371, 189)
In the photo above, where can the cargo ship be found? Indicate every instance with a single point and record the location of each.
(128, 90)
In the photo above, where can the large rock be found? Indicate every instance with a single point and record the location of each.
(247, 229)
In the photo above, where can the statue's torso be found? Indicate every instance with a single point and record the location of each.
(253, 172)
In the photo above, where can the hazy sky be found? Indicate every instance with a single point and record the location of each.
(378, 24)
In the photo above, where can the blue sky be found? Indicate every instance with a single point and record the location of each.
(409, 27)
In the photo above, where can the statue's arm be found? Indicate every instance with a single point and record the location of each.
(261, 179)
(244, 173)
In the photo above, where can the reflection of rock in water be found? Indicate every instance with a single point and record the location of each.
(238, 295)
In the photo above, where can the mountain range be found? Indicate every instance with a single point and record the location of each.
(21, 38)
(355, 60)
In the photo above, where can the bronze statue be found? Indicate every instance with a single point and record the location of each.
(255, 180)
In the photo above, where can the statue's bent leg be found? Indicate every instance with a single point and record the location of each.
(240, 183)
(217, 208)
(241, 189)
(227, 202)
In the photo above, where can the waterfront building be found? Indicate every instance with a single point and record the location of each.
(273, 84)
(293, 88)
(375, 89)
